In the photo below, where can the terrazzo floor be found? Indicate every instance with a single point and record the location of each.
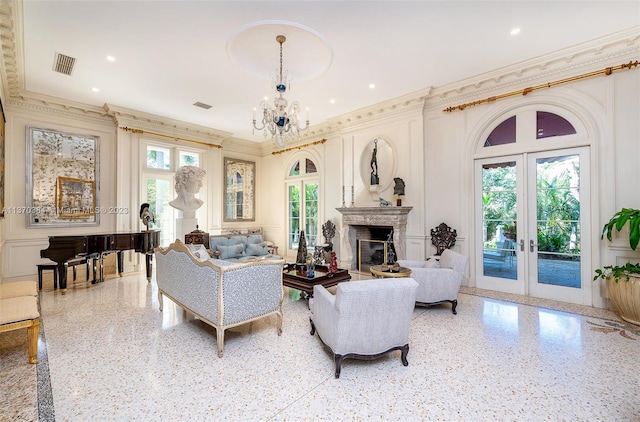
(106, 353)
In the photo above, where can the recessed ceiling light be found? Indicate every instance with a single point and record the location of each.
(332, 101)
(95, 89)
(515, 31)
(372, 86)
(111, 59)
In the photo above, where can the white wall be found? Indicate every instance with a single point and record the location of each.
(22, 245)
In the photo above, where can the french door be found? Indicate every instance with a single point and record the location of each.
(532, 212)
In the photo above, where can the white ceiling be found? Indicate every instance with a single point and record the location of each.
(171, 54)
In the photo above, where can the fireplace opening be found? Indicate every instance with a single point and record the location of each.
(375, 246)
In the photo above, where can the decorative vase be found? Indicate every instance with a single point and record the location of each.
(625, 297)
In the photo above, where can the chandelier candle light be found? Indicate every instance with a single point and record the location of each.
(283, 124)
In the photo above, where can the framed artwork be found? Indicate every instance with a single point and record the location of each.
(75, 197)
(239, 183)
(62, 179)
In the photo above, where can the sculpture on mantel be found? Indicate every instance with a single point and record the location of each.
(385, 203)
(188, 182)
(398, 189)
(375, 180)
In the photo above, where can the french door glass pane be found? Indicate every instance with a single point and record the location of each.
(499, 217)
(159, 193)
(294, 216)
(311, 213)
(558, 220)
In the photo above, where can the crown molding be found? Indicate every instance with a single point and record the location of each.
(602, 52)
(134, 119)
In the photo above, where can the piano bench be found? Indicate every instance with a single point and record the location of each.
(83, 260)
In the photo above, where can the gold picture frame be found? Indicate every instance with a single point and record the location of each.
(75, 197)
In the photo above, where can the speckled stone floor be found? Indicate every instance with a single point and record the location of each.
(106, 353)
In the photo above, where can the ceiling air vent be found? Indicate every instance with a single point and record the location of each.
(202, 105)
(63, 64)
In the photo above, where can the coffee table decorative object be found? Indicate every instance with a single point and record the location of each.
(389, 271)
(296, 278)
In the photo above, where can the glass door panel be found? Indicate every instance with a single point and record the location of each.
(158, 192)
(499, 201)
(557, 270)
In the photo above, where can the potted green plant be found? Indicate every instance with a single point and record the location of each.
(623, 281)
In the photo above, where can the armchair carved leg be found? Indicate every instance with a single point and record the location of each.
(313, 327)
(404, 351)
(454, 303)
(338, 359)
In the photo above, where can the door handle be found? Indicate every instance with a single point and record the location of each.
(522, 245)
(532, 245)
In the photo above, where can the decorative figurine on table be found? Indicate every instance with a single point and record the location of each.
(375, 180)
(301, 258)
(311, 266)
(146, 216)
(333, 266)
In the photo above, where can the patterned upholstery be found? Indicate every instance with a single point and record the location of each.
(221, 294)
(365, 319)
(439, 285)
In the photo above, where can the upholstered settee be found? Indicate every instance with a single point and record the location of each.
(438, 281)
(242, 248)
(220, 293)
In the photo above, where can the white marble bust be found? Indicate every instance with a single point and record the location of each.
(188, 182)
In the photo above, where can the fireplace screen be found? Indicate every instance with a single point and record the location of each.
(373, 252)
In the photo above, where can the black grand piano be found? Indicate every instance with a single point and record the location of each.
(63, 248)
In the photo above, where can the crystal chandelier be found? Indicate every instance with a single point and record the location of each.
(283, 123)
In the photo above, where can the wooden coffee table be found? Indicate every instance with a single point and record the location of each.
(376, 271)
(322, 277)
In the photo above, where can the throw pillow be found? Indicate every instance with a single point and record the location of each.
(200, 252)
(256, 250)
(233, 251)
(432, 263)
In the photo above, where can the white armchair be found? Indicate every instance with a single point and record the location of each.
(438, 284)
(365, 319)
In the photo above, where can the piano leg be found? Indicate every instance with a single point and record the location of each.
(149, 257)
(62, 276)
(120, 263)
(96, 262)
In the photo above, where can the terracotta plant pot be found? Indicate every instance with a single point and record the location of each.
(625, 297)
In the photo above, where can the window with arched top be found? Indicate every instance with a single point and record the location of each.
(303, 203)
(548, 125)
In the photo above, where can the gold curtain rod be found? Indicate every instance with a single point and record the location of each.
(606, 71)
(128, 129)
(321, 141)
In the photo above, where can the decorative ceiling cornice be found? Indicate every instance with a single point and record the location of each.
(586, 57)
(390, 109)
(124, 117)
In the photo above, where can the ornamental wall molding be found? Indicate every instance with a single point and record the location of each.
(124, 117)
(607, 51)
(93, 115)
(405, 107)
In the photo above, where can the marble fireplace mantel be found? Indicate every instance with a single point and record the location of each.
(395, 217)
